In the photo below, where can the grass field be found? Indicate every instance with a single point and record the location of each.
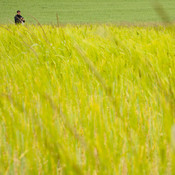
(84, 11)
(93, 99)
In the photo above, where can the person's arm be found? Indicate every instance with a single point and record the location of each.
(23, 20)
(16, 20)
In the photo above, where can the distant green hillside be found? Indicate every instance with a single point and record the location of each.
(84, 11)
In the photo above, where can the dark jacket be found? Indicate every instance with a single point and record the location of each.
(19, 19)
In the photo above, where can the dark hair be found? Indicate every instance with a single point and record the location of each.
(18, 11)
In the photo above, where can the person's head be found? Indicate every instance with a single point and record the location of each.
(19, 12)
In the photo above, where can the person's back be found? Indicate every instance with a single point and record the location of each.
(18, 18)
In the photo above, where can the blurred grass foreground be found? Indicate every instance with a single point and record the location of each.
(90, 99)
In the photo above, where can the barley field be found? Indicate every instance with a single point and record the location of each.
(84, 11)
(87, 99)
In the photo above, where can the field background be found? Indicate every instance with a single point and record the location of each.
(84, 11)
(87, 99)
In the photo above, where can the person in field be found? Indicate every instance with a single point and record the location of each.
(18, 18)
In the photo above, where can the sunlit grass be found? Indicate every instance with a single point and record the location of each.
(93, 99)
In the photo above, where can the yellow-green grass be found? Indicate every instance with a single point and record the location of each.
(92, 99)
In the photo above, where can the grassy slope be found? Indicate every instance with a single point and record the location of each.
(83, 11)
(55, 116)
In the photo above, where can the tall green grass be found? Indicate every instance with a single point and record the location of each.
(93, 99)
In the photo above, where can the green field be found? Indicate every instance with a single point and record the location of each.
(84, 11)
(90, 100)
(94, 98)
